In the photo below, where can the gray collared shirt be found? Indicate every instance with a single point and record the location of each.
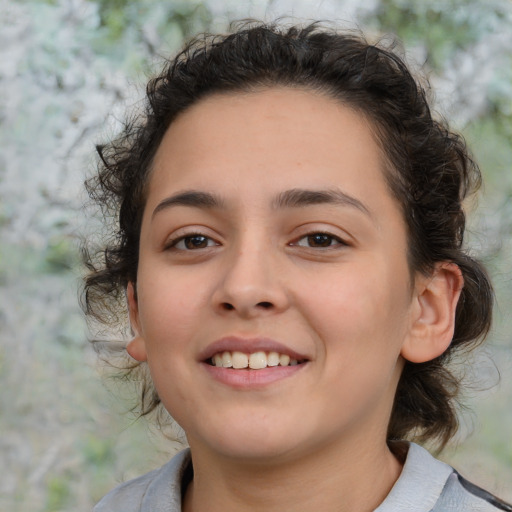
(425, 485)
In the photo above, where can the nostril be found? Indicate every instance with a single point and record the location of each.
(227, 306)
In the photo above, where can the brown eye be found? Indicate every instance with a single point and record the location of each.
(192, 242)
(319, 241)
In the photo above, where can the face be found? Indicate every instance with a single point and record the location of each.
(270, 235)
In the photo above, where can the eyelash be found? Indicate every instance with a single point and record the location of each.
(332, 238)
(174, 243)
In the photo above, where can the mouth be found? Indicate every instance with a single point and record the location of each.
(240, 353)
(252, 361)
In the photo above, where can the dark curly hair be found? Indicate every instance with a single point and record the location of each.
(429, 171)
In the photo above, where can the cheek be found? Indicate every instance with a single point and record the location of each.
(169, 324)
(347, 297)
(169, 308)
(361, 311)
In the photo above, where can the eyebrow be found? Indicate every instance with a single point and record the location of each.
(293, 198)
(298, 198)
(192, 198)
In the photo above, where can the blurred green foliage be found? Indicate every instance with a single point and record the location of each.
(117, 16)
(98, 451)
(145, 26)
(58, 493)
(427, 22)
(61, 254)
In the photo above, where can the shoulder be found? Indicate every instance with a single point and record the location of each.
(429, 485)
(420, 484)
(160, 486)
(459, 495)
(128, 496)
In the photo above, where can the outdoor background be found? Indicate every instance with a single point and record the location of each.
(68, 70)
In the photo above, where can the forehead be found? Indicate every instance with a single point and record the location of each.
(273, 135)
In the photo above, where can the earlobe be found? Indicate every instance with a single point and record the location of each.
(433, 321)
(136, 347)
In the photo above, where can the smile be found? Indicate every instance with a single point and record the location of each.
(254, 361)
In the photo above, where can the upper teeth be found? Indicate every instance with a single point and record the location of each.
(255, 361)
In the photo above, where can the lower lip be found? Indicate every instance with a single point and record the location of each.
(250, 379)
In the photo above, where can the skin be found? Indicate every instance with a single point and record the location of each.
(349, 304)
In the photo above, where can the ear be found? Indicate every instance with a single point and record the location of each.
(433, 321)
(137, 346)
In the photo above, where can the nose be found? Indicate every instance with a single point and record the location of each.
(250, 285)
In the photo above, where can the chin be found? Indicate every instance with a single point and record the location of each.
(257, 451)
(250, 445)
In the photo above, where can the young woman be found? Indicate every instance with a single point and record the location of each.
(290, 244)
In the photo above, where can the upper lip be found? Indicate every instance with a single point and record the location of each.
(248, 346)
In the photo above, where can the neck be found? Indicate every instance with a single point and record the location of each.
(346, 477)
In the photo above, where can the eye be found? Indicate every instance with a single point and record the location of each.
(319, 240)
(192, 242)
